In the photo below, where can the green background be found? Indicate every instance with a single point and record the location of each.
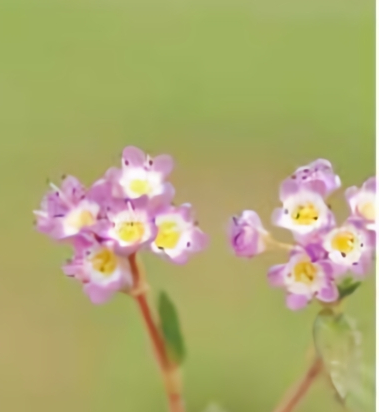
(240, 93)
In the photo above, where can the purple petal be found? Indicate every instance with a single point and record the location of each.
(72, 189)
(199, 240)
(185, 210)
(99, 294)
(276, 275)
(362, 267)
(163, 164)
(296, 302)
(132, 156)
(329, 293)
(370, 184)
(288, 188)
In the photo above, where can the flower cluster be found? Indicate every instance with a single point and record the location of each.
(324, 254)
(127, 210)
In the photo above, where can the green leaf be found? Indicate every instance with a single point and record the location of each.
(338, 343)
(170, 327)
(347, 287)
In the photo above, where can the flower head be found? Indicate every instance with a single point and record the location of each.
(305, 278)
(352, 246)
(323, 255)
(99, 269)
(142, 175)
(304, 210)
(362, 202)
(123, 212)
(320, 171)
(247, 235)
(65, 211)
(130, 224)
(178, 234)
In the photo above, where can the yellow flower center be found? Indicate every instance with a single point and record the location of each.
(140, 187)
(305, 214)
(104, 262)
(131, 232)
(343, 242)
(304, 272)
(168, 235)
(367, 210)
(81, 219)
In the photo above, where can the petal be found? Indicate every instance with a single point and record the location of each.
(99, 294)
(296, 302)
(163, 164)
(328, 293)
(370, 184)
(199, 240)
(73, 189)
(276, 275)
(288, 188)
(132, 156)
(278, 217)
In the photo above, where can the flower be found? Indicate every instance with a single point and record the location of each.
(247, 235)
(362, 202)
(178, 235)
(141, 175)
(304, 210)
(67, 210)
(305, 278)
(99, 269)
(352, 246)
(320, 171)
(129, 224)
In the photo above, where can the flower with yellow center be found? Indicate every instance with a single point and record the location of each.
(130, 232)
(168, 235)
(104, 262)
(305, 214)
(304, 272)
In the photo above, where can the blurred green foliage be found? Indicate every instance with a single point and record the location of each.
(240, 93)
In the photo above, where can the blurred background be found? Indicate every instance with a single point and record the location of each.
(240, 93)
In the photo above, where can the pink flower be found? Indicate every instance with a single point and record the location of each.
(178, 235)
(67, 210)
(129, 224)
(247, 235)
(99, 269)
(142, 175)
(362, 202)
(304, 211)
(305, 278)
(320, 171)
(352, 246)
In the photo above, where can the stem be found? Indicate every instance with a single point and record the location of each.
(299, 391)
(169, 370)
(274, 244)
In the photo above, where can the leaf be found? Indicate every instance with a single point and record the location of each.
(338, 343)
(170, 327)
(347, 287)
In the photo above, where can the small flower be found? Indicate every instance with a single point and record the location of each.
(304, 210)
(130, 224)
(362, 202)
(247, 235)
(321, 171)
(67, 210)
(99, 269)
(178, 235)
(351, 246)
(304, 279)
(142, 175)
